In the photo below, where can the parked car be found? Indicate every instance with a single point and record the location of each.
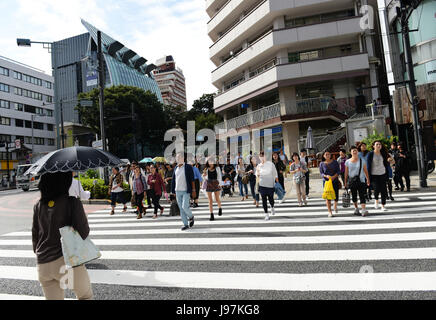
(26, 182)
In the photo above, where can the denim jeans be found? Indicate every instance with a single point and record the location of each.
(254, 192)
(183, 200)
(242, 187)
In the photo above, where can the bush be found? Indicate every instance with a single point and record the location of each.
(91, 174)
(99, 190)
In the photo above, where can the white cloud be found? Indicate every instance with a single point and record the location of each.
(151, 28)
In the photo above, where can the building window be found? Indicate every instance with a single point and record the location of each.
(28, 140)
(19, 123)
(29, 109)
(5, 121)
(38, 125)
(51, 142)
(28, 124)
(4, 72)
(49, 99)
(4, 87)
(50, 127)
(18, 106)
(49, 113)
(5, 138)
(48, 84)
(39, 141)
(18, 91)
(5, 104)
(39, 111)
(18, 75)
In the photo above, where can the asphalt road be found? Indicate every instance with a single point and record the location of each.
(298, 254)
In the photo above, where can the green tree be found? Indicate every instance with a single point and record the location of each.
(379, 137)
(150, 125)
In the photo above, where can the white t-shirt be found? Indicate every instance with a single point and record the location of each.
(77, 191)
(267, 174)
(118, 189)
(181, 179)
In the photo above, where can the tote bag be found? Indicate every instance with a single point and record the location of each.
(76, 251)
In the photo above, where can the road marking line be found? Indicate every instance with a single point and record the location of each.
(403, 281)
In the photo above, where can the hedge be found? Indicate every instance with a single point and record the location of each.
(99, 190)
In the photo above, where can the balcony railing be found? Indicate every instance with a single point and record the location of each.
(251, 118)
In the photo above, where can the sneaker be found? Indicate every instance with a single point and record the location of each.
(273, 212)
(185, 228)
(305, 202)
(267, 217)
(391, 198)
(300, 204)
(307, 197)
(191, 222)
(357, 212)
(336, 211)
(364, 213)
(330, 215)
(376, 206)
(383, 208)
(281, 201)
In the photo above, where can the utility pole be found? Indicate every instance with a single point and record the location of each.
(62, 124)
(135, 145)
(422, 168)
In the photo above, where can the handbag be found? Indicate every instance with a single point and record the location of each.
(245, 178)
(77, 251)
(346, 199)
(329, 191)
(355, 181)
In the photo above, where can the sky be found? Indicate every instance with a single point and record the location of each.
(152, 28)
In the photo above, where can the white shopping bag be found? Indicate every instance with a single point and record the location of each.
(76, 250)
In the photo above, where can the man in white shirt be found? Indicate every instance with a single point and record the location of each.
(182, 185)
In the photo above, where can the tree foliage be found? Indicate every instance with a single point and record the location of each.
(150, 125)
(379, 137)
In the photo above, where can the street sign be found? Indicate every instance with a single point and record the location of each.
(92, 79)
(86, 103)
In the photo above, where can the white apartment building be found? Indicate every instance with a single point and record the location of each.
(290, 64)
(171, 82)
(26, 98)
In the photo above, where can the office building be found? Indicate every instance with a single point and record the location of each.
(75, 64)
(171, 82)
(26, 101)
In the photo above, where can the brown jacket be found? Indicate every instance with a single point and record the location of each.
(46, 238)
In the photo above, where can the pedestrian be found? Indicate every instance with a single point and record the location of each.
(147, 173)
(76, 190)
(240, 171)
(393, 151)
(281, 169)
(403, 166)
(139, 191)
(198, 179)
(283, 157)
(116, 190)
(266, 172)
(131, 177)
(254, 188)
(55, 210)
(168, 177)
(182, 185)
(330, 170)
(378, 163)
(156, 184)
(304, 158)
(299, 169)
(356, 179)
(212, 174)
(341, 160)
(390, 177)
(363, 154)
(229, 170)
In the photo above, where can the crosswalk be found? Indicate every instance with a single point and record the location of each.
(299, 252)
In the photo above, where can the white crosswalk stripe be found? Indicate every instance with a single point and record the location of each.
(133, 251)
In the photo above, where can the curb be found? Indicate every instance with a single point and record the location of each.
(96, 201)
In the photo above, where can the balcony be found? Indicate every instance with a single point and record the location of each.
(323, 107)
(213, 6)
(262, 16)
(292, 38)
(283, 73)
(251, 118)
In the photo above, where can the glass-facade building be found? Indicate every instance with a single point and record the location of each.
(75, 64)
